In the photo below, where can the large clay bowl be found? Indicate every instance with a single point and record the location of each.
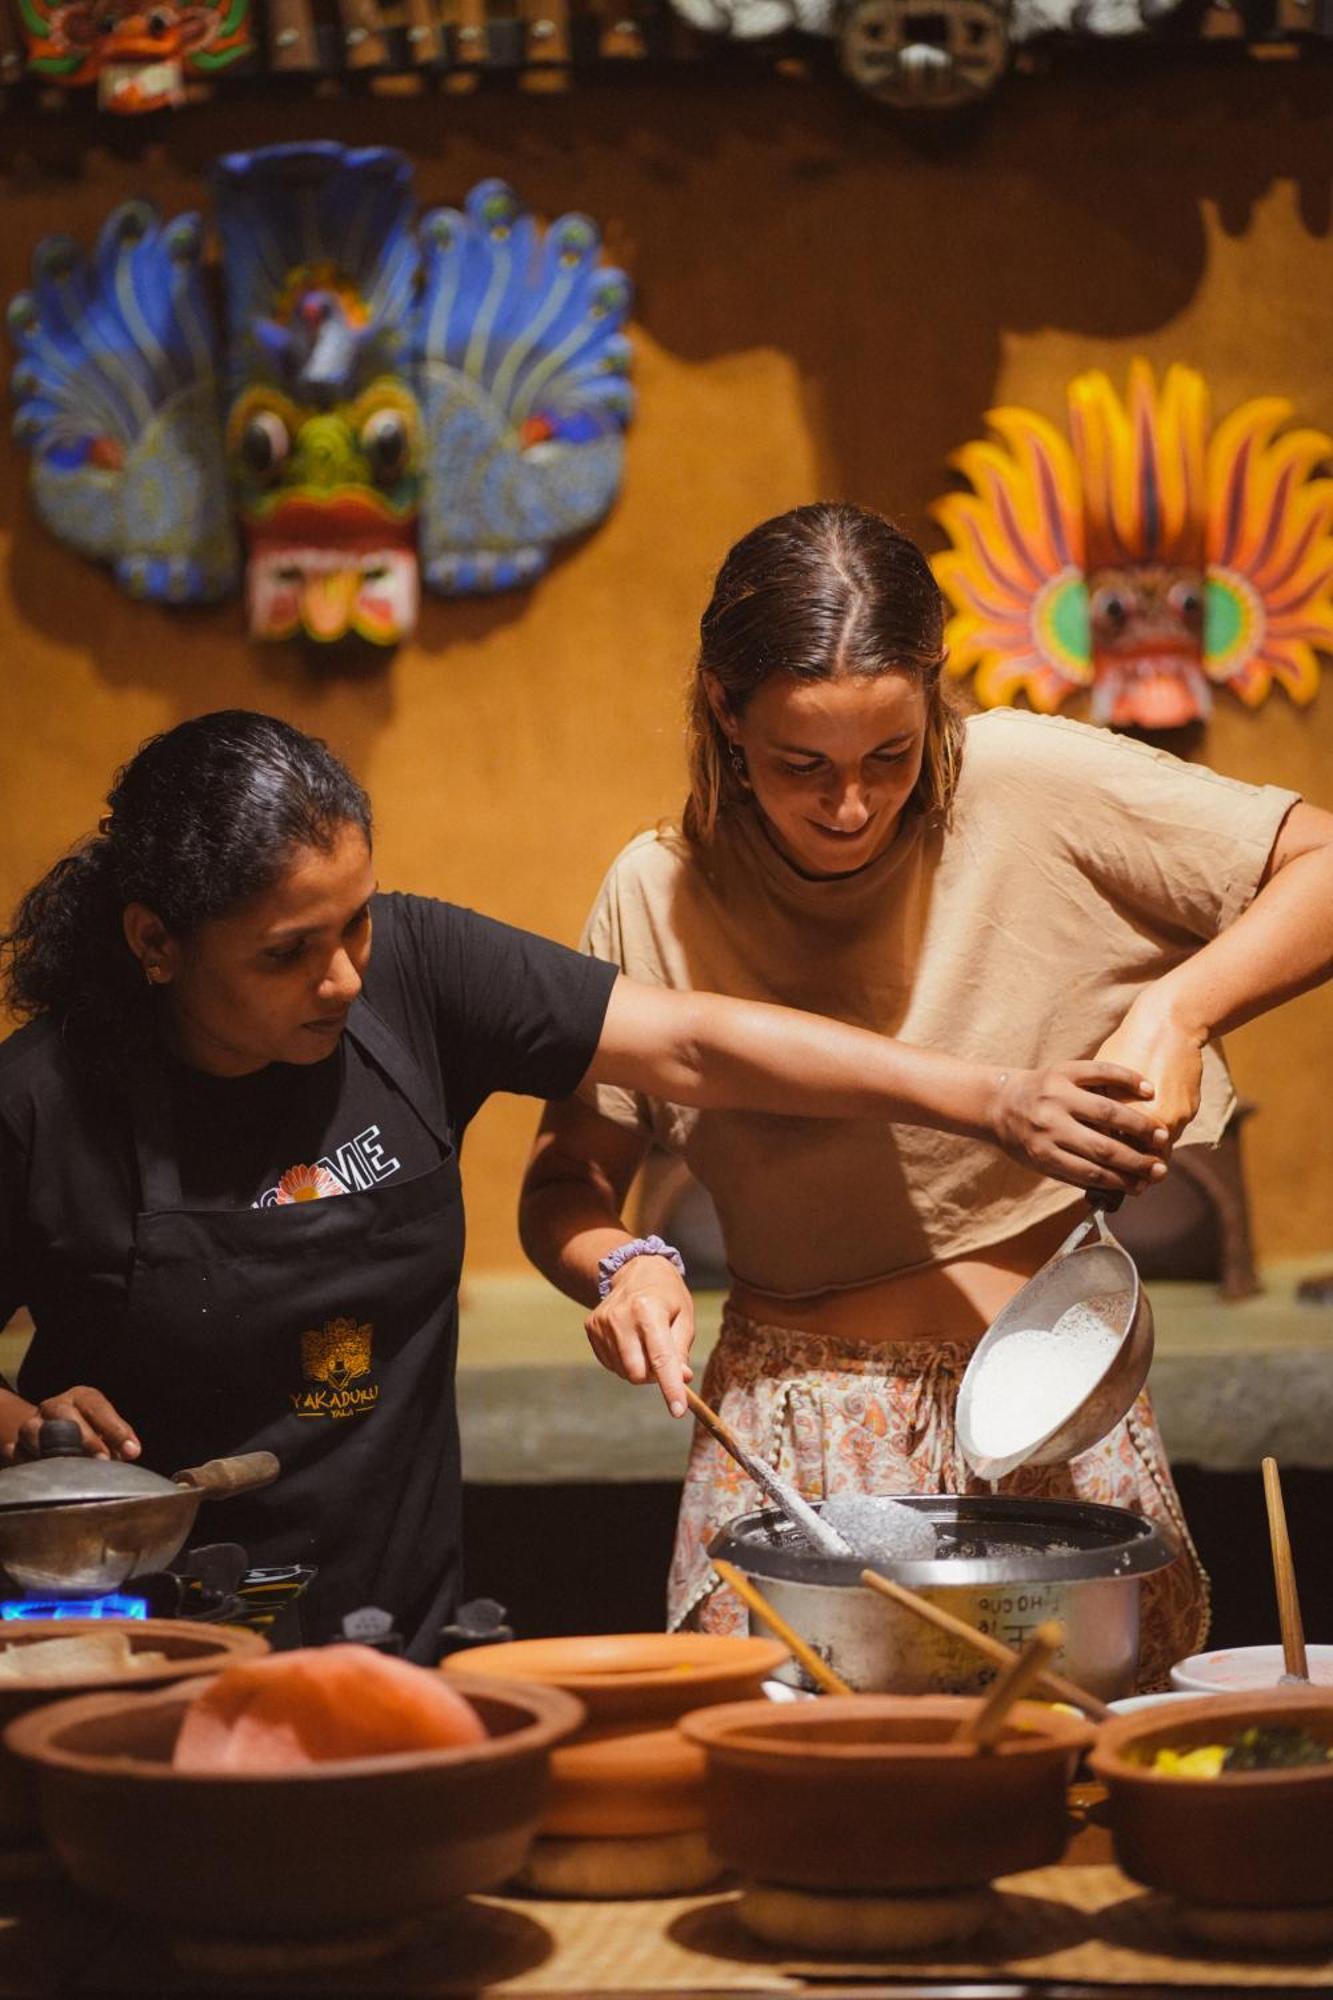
(867, 1792)
(191, 1650)
(340, 1847)
(1249, 1839)
(643, 1677)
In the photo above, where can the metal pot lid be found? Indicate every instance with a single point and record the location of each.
(64, 1475)
(983, 1539)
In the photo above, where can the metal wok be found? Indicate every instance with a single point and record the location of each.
(71, 1525)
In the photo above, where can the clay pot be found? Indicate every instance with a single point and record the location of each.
(640, 1677)
(629, 1772)
(336, 1848)
(626, 1781)
(866, 1792)
(191, 1650)
(1252, 1839)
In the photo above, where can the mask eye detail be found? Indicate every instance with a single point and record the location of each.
(265, 443)
(159, 23)
(1109, 608)
(385, 442)
(1186, 600)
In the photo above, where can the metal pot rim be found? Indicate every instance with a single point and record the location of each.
(1125, 1546)
(43, 1484)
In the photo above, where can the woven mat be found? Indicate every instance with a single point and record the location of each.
(1064, 1924)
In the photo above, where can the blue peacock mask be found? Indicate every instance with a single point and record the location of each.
(393, 401)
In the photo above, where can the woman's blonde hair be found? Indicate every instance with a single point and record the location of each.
(819, 593)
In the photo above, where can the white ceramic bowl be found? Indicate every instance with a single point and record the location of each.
(1134, 1704)
(1241, 1669)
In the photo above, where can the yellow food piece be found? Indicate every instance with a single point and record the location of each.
(1203, 1762)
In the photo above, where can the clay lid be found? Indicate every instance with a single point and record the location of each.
(632, 1675)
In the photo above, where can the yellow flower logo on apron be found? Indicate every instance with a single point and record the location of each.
(336, 1362)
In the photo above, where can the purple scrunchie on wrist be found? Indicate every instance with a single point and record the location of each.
(642, 1246)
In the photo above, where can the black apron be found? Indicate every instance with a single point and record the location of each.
(327, 1333)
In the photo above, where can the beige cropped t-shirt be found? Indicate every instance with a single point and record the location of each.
(1078, 866)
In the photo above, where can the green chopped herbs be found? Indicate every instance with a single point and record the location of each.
(1276, 1746)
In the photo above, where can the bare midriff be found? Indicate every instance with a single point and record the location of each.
(953, 1300)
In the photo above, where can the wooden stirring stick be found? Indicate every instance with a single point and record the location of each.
(820, 1672)
(816, 1532)
(1284, 1573)
(985, 1723)
(1052, 1684)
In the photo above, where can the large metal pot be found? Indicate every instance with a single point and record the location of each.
(71, 1525)
(1004, 1565)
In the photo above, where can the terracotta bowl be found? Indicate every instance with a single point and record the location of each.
(191, 1650)
(339, 1848)
(642, 1677)
(626, 1781)
(629, 1772)
(866, 1792)
(1252, 1839)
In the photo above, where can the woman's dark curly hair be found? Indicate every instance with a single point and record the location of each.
(205, 816)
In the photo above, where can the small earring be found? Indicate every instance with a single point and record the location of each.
(153, 972)
(739, 768)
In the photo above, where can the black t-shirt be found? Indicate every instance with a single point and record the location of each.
(481, 1006)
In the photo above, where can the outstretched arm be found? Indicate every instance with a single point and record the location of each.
(1280, 946)
(704, 1050)
(739, 1055)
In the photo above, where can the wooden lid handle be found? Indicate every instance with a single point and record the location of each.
(221, 1477)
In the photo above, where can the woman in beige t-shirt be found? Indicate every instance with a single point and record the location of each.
(1011, 889)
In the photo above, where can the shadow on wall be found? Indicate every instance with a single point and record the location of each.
(142, 645)
(756, 211)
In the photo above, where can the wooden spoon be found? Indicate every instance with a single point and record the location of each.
(820, 1672)
(1288, 1604)
(985, 1723)
(817, 1533)
(1053, 1685)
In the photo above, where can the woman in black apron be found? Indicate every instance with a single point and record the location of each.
(229, 1189)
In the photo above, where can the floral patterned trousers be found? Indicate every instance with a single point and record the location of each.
(836, 1416)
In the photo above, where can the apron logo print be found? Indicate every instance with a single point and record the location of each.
(336, 1357)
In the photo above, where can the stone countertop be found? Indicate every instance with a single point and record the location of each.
(1230, 1383)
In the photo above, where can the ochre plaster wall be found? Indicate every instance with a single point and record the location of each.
(821, 310)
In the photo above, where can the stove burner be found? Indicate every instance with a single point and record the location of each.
(214, 1586)
(112, 1605)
